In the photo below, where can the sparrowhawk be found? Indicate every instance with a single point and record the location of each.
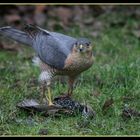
(59, 54)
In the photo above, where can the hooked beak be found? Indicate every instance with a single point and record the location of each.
(81, 48)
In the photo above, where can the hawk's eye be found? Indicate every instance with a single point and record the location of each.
(87, 44)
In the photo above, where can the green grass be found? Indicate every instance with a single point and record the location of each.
(115, 73)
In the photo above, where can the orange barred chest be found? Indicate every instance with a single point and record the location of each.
(78, 63)
(74, 65)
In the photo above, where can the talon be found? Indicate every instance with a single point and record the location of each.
(50, 104)
(44, 97)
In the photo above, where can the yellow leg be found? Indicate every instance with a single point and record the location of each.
(70, 85)
(43, 96)
(49, 97)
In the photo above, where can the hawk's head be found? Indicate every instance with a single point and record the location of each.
(82, 46)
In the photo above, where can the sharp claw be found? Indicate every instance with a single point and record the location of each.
(50, 104)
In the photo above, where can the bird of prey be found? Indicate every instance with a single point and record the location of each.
(59, 54)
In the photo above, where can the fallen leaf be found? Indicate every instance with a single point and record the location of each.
(108, 103)
(96, 93)
(1, 46)
(129, 112)
(43, 131)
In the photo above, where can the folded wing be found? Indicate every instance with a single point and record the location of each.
(52, 48)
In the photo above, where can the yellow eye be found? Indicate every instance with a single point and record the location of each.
(87, 44)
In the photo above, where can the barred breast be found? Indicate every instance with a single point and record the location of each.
(74, 65)
(77, 63)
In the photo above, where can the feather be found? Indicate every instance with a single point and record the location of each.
(15, 34)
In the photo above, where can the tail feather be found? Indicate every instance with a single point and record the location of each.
(15, 34)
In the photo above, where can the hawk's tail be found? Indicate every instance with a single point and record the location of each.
(16, 35)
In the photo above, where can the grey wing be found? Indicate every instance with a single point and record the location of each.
(51, 50)
(16, 35)
(58, 36)
(64, 38)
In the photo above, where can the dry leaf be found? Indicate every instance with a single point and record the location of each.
(108, 103)
(129, 112)
(43, 131)
(96, 93)
(1, 46)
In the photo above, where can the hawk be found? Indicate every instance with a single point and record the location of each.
(58, 54)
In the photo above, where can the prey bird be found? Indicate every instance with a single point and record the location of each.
(58, 54)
